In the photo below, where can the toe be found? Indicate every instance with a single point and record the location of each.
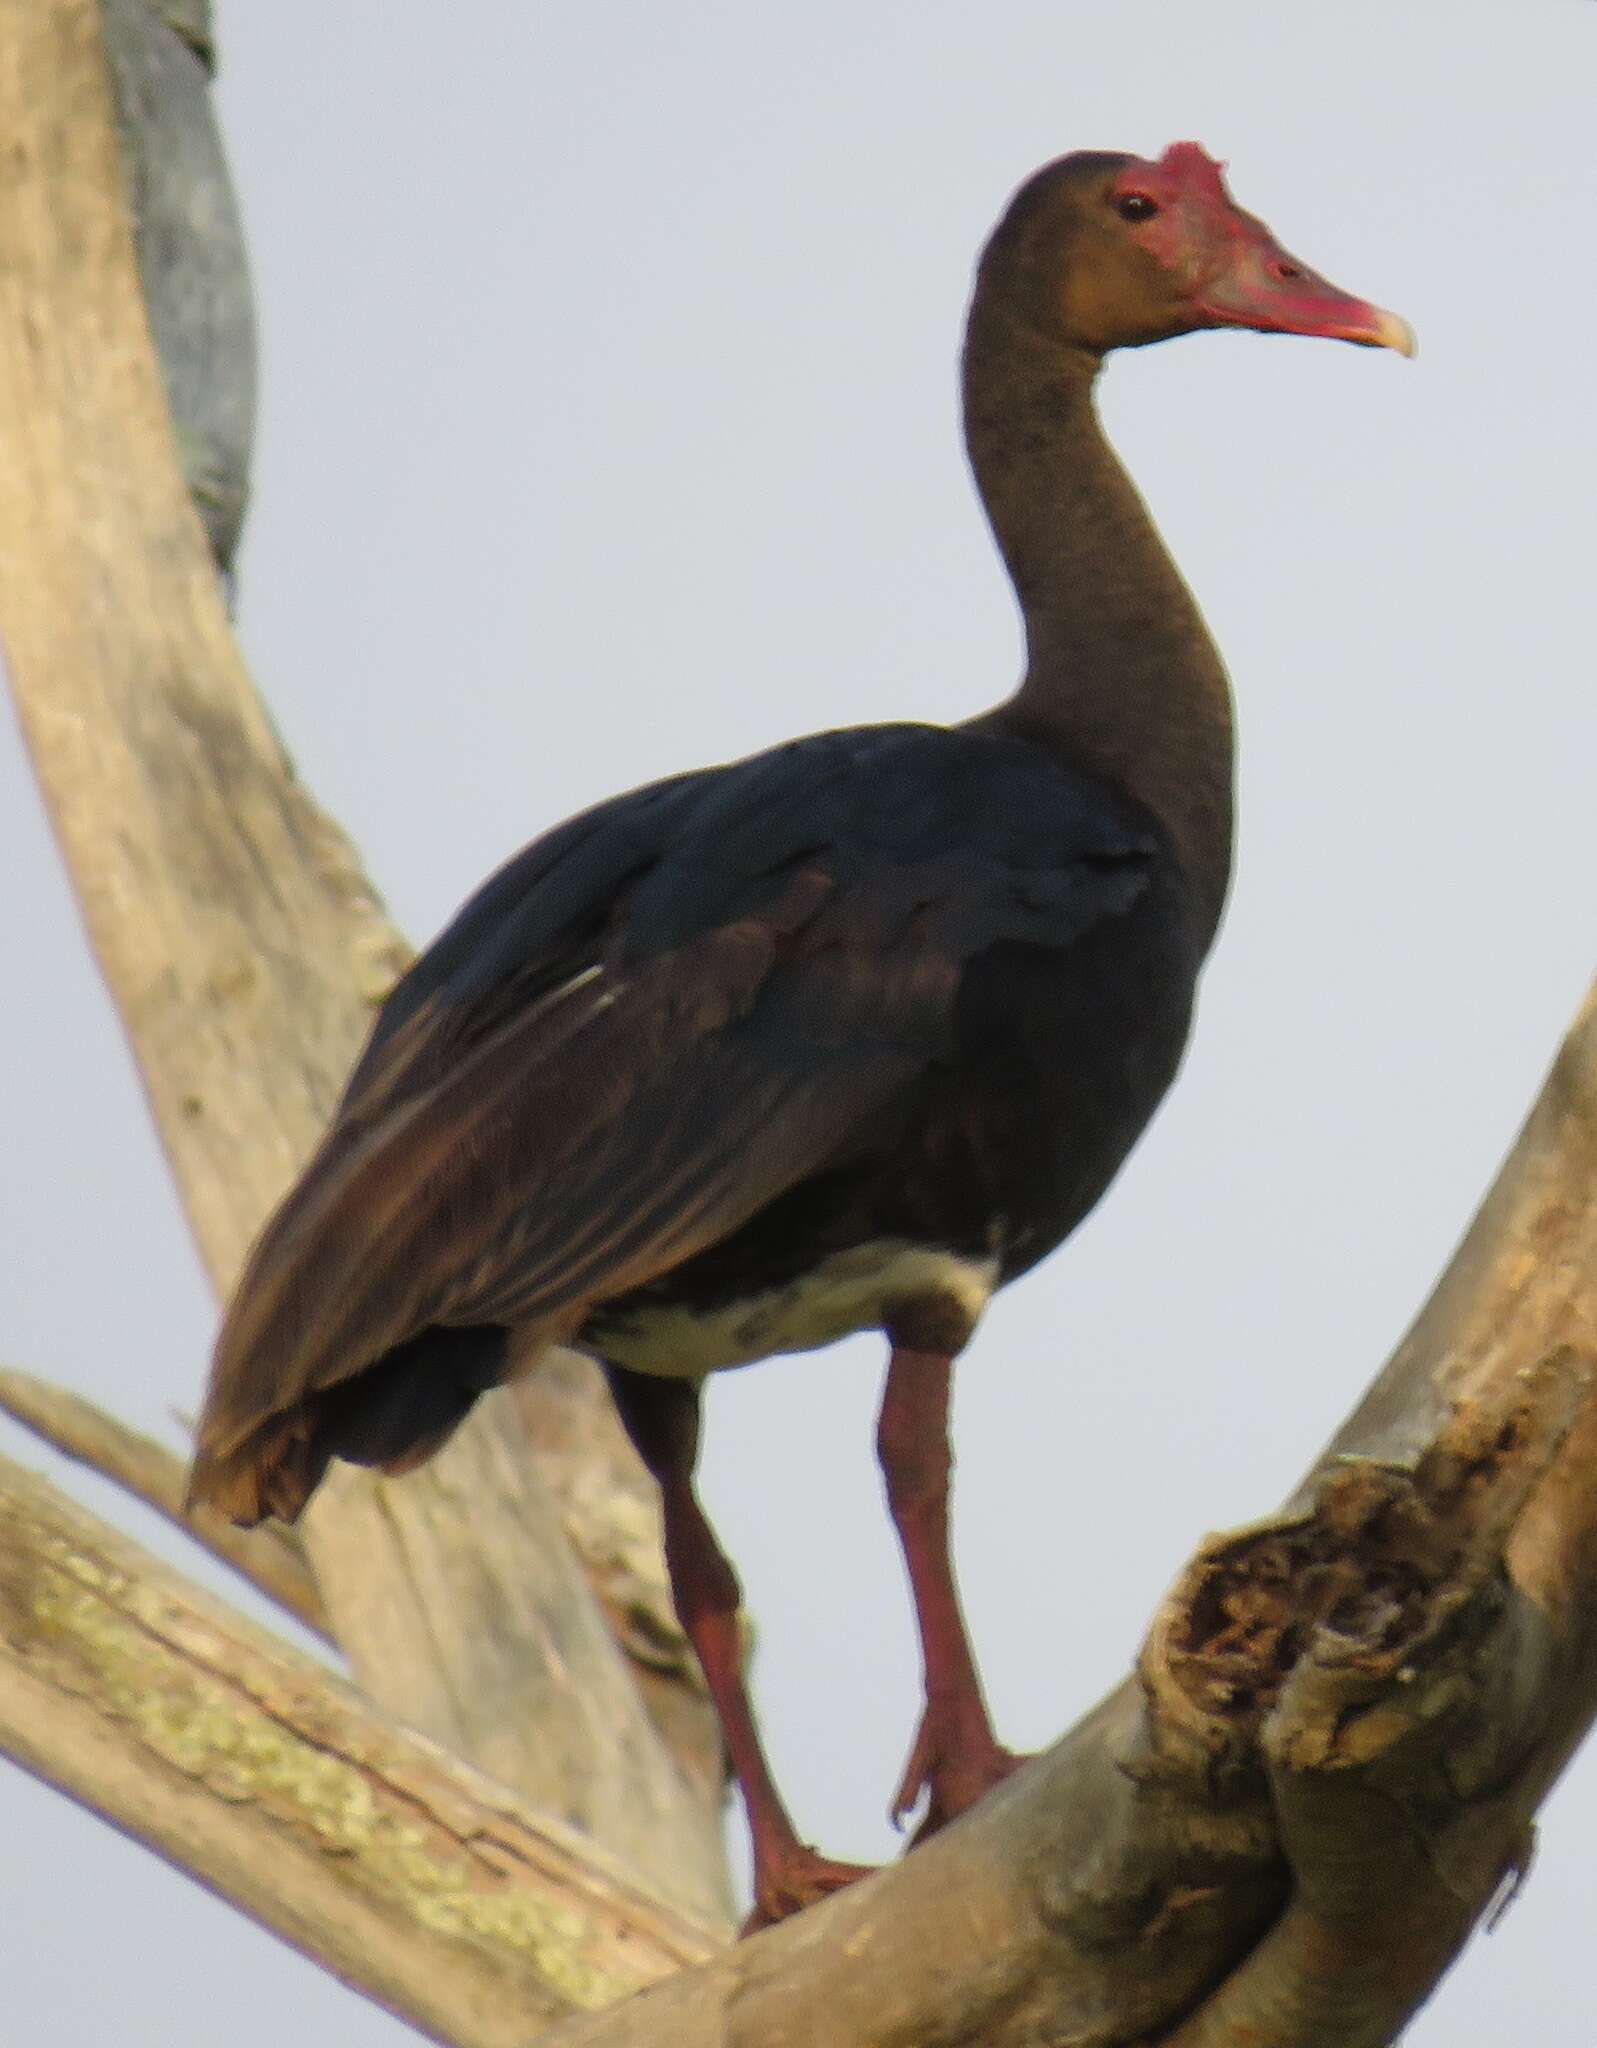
(798, 1879)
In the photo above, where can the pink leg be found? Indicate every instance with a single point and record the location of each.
(955, 1757)
(662, 1418)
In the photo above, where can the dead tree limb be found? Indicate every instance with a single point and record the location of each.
(270, 1557)
(398, 1868)
(244, 947)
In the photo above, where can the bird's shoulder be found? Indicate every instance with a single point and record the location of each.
(967, 813)
(980, 835)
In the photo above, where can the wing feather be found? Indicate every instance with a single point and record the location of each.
(645, 1029)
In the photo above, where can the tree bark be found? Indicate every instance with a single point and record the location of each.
(244, 949)
(400, 1869)
(189, 249)
(270, 1557)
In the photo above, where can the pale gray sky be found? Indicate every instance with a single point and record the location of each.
(608, 427)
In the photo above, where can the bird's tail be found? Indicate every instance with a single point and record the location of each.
(393, 1415)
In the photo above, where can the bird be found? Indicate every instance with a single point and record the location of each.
(840, 1037)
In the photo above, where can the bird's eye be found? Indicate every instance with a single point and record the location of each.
(1136, 206)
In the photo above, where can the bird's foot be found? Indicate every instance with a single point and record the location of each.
(791, 1876)
(955, 1761)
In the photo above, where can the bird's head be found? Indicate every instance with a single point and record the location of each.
(1104, 251)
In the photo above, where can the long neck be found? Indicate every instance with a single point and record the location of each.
(1121, 677)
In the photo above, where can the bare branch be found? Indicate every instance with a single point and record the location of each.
(1401, 1688)
(244, 948)
(270, 1557)
(407, 1874)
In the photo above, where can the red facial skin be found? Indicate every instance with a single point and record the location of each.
(1232, 268)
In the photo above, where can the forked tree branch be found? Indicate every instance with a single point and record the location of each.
(244, 947)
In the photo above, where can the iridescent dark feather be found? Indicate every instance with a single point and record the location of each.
(646, 1029)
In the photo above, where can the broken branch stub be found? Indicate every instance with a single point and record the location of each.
(1387, 1679)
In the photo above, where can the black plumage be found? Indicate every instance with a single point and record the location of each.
(841, 1036)
(856, 960)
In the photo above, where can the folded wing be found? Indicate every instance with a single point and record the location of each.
(647, 1027)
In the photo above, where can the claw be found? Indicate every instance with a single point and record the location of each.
(917, 1778)
(793, 1877)
(954, 1765)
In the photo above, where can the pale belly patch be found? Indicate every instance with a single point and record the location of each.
(852, 1290)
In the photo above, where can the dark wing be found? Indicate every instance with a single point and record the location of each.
(645, 1028)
